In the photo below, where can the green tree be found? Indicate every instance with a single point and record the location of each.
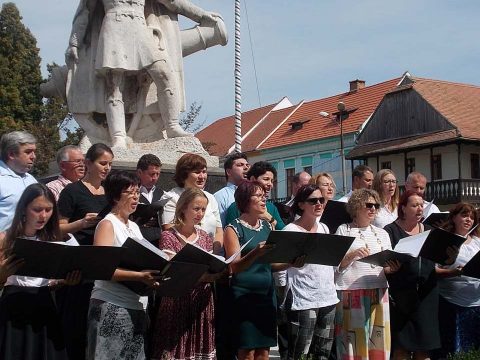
(190, 121)
(20, 77)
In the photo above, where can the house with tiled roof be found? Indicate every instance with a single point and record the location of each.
(430, 126)
(297, 137)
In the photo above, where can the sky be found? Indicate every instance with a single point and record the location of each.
(305, 49)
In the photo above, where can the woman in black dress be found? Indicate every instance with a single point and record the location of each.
(79, 205)
(413, 289)
(29, 324)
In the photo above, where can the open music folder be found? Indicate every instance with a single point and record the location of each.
(322, 249)
(53, 260)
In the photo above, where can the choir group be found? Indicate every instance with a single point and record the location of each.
(411, 309)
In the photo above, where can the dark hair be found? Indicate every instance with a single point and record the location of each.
(148, 160)
(97, 150)
(360, 170)
(404, 201)
(187, 164)
(244, 193)
(118, 181)
(461, 208)
(260, 168)
(51, 230)
(228, 164)
(302, 194)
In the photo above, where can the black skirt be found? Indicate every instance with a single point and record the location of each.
(29, 325)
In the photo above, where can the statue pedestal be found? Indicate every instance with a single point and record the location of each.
(168, 150)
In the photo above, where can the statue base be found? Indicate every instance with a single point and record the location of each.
(168, 150)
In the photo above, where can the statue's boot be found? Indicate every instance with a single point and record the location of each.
(202, 37)
(116, 123)
(170, 112)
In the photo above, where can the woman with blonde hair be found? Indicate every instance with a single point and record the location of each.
(184, 325)
(326, 184)
(386, 185)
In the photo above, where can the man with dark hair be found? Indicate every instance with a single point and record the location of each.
(17, 153)
(236, 167)
(71, 162)
(362, 178)
(148, 170)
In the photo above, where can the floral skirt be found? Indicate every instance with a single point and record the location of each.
(362, 325)
(115, 332)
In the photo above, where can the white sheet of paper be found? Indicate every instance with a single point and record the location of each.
(412, 245)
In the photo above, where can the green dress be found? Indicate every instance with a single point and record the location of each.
(254, 302)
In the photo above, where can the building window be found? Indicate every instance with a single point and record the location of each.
(386, 165)
(436, 167)
(289, 173)
(410, 165)
(475, 166)
(274, 191)
(308, 169)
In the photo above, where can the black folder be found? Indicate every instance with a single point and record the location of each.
(145, 212)
(472, 268)
(54, 260)
(178, 277)
(436, 219)
(382, 257)
(335, 214)
(436, 244)
(322, 249)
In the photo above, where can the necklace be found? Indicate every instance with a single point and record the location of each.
(361, 236)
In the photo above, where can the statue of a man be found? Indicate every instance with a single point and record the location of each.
(112, 40)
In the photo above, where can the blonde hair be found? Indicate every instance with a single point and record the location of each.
(185, 199)
(315, 180)
(358, 199)
(378, 187)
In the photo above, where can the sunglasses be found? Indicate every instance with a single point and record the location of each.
(369, 205)
(314, 201)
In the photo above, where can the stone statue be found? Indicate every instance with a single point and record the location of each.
(124, 65)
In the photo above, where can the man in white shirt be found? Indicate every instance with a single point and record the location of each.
(236, 167)
(71, 163)
(17, 153)
(148, 170)
(417, 182)
(362, 178)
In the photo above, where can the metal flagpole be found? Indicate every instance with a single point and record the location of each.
(238, 82)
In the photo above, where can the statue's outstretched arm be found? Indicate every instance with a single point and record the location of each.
(79, 28)
(191, 11)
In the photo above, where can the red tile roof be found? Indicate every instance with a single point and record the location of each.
(364, 100)
(222, 132)
(458, 103)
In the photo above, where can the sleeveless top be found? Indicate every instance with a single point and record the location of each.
(112, 291)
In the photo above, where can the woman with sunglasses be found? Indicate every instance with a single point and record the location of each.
(310, 292)
(386, 185)
(413, 289)
(362, 318)
(29, 324)
(459, 307)
(325, 183)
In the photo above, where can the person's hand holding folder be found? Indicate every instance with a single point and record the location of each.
(354, 255)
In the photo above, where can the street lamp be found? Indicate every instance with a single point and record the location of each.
(339, 117)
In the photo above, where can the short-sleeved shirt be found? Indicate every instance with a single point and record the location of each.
(11, 188)
(56, 186)
(75, 202)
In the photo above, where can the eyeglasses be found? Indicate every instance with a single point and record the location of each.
(132, 193)
(369, 205)
(78, 161)
(260, 196)
(393, 182)
(315, 201)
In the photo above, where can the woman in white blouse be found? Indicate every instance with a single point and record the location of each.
(310, 291)
(191, 172)
(459, 306)
(386, 185)
(363, 316)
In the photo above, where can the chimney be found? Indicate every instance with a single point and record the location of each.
(356, 85)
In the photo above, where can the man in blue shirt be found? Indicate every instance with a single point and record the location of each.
(236, 167)
(17, 154)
